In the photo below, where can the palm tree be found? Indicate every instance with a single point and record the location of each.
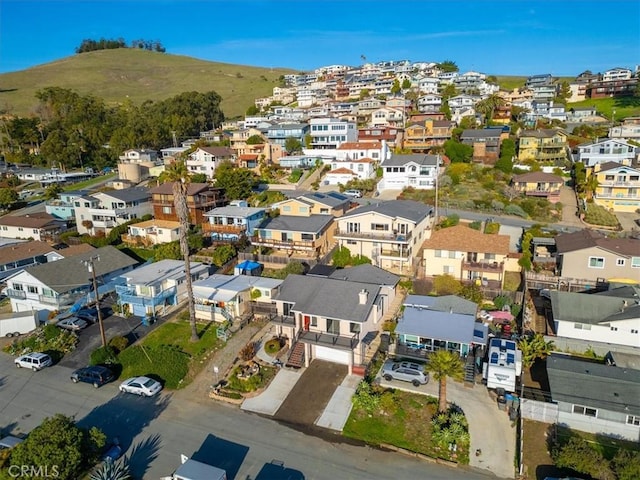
(488, 106)
(110, 470)
(533, 348)
(178, 173)
(443, 364)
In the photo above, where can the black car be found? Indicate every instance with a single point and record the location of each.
(96, 375)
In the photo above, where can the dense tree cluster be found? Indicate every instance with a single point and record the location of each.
(91, 45)
(79, 131)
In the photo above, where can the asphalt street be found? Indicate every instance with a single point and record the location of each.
(156, 431)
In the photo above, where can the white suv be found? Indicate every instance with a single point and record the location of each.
(353, 193)
(35, 361)
(405, 371)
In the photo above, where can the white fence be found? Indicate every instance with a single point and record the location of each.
(539, 411)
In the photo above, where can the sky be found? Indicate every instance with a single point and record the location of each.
(496, 37)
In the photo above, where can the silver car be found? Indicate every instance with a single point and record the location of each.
(74, 324)
(405, 371)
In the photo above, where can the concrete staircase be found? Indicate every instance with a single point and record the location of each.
(390, 314)
(470, 370)
(296, 356)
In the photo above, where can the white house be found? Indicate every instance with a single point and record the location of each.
(414, 170)
(330, 132)
(232, 221)
(342, 172)
(36, 226)
(387, 116)
(606, 150)
(429, 103)
(616, 74)
(429, 85)
(58, 285)
(152, 232)
(460, 101)
(102, 211)
(150, 289)
(207, 159)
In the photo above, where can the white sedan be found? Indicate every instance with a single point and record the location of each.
(72, 323)
(143, 386)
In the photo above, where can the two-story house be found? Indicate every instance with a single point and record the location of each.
(280, 132)
(538, 184)
(230, 222)
(618, 187)
(201, 197)
(485, 142)
(207, 159)
(468, 255)
(18, 256)
(389, 134)
(102, 211)
(150, 289)
(431, 102)
(152, 232)
(63, 206)
(328, 319)
(547, 145)
(415, 170)
(344, 171)
(605, 151)
(387, 116)
(59, 285)
(35, 226)
(330, 133)
(587, 254)
(421, 137)
(389, 233)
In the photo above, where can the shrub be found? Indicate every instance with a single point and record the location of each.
(515, 210)
(248, 351)
(451, 221)
(475, 225)
(597, 215)
(253, 383)
(49, 338)
(104, 356)
(119, 343)
(273, 346)
(492, 227)
(295, 175)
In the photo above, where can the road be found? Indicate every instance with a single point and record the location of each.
(156, 431)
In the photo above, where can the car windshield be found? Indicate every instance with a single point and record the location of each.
(149, 383)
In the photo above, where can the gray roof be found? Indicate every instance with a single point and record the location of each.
(209, 287)
(592, 309)
(291, 223)
(445, 303)
(130, 194)
(159, 271)
(193, 469)
(331, 199)
(403, 159)
(481, 133)
(593, 384)
(328, 298)
(453, 327)
(234, 211)
(366, 273)
(70, 273)
(408, 209)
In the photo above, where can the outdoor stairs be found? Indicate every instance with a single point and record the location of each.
(296, 356)
(470, 370)
(391, 313)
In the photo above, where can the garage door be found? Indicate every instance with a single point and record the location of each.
(139, 310)
(333, 355)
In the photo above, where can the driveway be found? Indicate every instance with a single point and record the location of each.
(569, 207)
(307, 400)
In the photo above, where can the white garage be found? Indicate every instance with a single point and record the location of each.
(333, 355)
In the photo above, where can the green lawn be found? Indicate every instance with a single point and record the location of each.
(624, 106)
(89, 183)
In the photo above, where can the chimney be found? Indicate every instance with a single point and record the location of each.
(362, 296)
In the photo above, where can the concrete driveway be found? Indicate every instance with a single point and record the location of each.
(490, 428)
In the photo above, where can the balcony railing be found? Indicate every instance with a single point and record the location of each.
(612, 183)
(285, 320)
(17, 294)
(128, 294)
(616, 195)
(284, 244)
(542, 192)
(383, 236)
(212, 227)
(329, 339)
(395, 253)
(483, 266)
(410, 351)
(214, 309)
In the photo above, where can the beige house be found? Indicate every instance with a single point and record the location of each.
(152, 232)
(389, 233)
(588, 255)
(467, 255)
(317, 203)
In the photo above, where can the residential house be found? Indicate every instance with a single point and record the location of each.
(367, 273)
(328, 319)
(324, 203)
(331, 133)
(421, 137)
(207, 159)
(581, 114)
(18, 256)
(223, 298)
(607, 150)
(389, 233)
(150, 289)
(468, 255)
(431, 102)
(102, 211)
(461, 101)
(546, 145)
(297, 161)
(280, 132)
(485, 142)
(35, 226)
(201, 197)
(594, 397)
(136, 165)
(587, 254)
(63, 206)
(388, 134)
(538, 184)
(152, 232)
(629, 131)
(416, 170)
(428, 324)
(136, 155)
(377, 151)
(58, 285)
(615, 74)
(618, 187)
(386, 116)
(609, 317)
(343, 172)
(544, 93)
(232, 221)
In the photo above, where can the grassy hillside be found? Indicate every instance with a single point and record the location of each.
(624, 106)
(139, 75)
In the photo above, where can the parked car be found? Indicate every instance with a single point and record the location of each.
(35, 361)
(74, 324)
(97, 375)
(353, 193)
(87, 314)
(113, 451)
(143, 386)
(405, 371)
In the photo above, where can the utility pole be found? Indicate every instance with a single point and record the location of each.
(91, 266)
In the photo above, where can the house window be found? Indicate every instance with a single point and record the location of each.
(635, 262)
(18, 286)
(589, 412)
(32, 289)
(614, 329)
(324, 210)
(354, 327)
(620, 262)
(20, 229)
(35, 230)
(352, 242)
(438, 254)
(582, 326)
(452, 253)
(314, 321)
(46, 292)
(379, 227)
(633, 420)
(447, 269)
(304, 209)
(166, 210)
(286, 208)
(633, 330)
(308, 237)
(596, 262)
(489, 256)
(333, 326)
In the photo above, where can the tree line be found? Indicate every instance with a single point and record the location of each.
(73, 130)
(91, 45)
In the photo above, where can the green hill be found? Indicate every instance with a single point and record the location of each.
(139, 75)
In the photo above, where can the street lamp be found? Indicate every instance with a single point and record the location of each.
(89, 263)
